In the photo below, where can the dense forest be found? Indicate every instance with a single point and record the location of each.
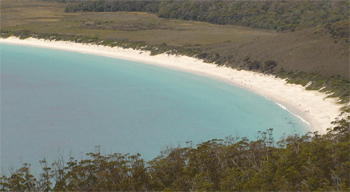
(278, 15)
(294, 163)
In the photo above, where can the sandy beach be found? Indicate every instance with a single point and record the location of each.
(312, 107)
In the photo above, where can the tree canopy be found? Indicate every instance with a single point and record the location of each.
(277, 14)
(294, 163)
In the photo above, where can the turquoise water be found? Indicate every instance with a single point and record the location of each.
(61, 102)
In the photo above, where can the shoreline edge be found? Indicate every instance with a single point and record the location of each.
(311, 107)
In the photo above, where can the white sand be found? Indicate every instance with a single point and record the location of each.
(310, 106)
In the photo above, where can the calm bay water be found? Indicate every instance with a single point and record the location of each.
(55, 101)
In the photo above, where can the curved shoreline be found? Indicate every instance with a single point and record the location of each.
(310, 106)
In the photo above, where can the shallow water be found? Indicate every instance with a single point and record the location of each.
(55, 101)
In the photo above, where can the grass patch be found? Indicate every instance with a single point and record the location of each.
(134, 26)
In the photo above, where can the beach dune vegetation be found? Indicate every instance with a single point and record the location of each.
(269, 65)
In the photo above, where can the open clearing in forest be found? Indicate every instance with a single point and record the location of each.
(132, 26)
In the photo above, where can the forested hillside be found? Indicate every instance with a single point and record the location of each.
(294, 163)
(276, 14)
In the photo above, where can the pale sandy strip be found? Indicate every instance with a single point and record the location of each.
(310, 106)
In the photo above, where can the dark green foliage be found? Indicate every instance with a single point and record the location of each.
(295, 163)
(61, 1)
(278, 15)
(254, 65)
(269, 65)
(6, 33)
(266, 67)
(113, 173)
(339, 29)
(20, 180)
(111, 6)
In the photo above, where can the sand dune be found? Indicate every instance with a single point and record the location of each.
(311, 107)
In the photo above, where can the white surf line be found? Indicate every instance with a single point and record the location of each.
(283, 107)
